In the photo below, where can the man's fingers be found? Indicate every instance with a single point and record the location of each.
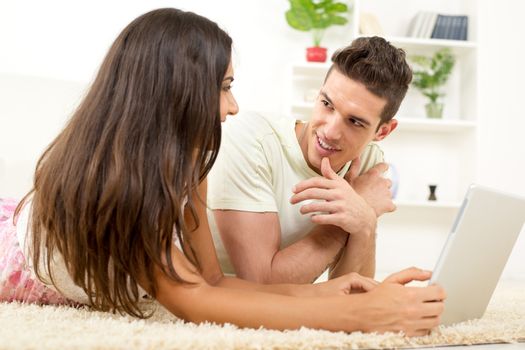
(409, 275)
(318, 207)
(379, 167)
(325, 219)
(312, 194)
(353, 171)
(390, 207)
(317, 182)
(326, 169)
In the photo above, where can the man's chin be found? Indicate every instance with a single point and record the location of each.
(336, 165)
(314, 163)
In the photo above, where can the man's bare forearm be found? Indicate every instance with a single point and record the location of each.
(357, 256)
(306, 259)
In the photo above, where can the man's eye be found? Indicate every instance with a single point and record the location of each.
(356, 122)
(227, 88)
(326, 103)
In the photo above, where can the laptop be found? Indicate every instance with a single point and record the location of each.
(476, 251)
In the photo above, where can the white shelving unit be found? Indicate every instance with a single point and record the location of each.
(423, 151)
(427, 204)
(457, 46)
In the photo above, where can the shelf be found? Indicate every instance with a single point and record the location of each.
(420, 44)
(413, 45)
(442, 125)
(308, 68)
(427, 204)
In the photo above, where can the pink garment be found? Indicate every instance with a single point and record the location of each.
(17, 283)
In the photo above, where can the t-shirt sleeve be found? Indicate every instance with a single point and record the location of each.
(241, 177)
(371, 156)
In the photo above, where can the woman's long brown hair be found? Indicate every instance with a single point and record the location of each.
(109, 191)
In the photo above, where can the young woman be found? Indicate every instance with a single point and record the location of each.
(117, 214)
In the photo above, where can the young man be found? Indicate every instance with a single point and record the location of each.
(291, 198)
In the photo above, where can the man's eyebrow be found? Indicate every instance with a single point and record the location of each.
(359, 119)
(229, 78)
(326, 97)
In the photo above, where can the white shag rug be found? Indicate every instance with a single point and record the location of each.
(25, 326)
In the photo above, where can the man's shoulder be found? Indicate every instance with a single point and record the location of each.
(372, 155)
(373, 149)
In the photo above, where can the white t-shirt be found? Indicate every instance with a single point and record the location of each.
(259, 162)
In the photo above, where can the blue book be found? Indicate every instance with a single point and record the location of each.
(438, 27)
(464, 28)
(455, 31)
(450, 27)
(447, 27)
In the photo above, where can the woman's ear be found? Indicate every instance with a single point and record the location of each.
(385, 129)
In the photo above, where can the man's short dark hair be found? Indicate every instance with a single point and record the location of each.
(378, 65)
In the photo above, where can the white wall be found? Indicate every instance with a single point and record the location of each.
(67, 39)
(61, 43)
(50, 50)
(32, 111)
(502, 92)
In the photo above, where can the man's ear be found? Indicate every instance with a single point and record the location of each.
(385, 129)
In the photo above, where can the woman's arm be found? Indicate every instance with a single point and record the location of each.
(388, 307)
(200, 301)
(209, 296)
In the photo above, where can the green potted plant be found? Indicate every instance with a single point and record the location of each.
(316, 16)
(430, 74)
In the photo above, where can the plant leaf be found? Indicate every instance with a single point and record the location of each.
(317, 15)
(299, 19)
(307, 5)
(337, 7)
(431, 73)
(338, 20)
(323, 4)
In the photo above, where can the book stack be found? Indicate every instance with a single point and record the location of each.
(433, 25)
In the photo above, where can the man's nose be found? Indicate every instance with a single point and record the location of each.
(333, 127)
